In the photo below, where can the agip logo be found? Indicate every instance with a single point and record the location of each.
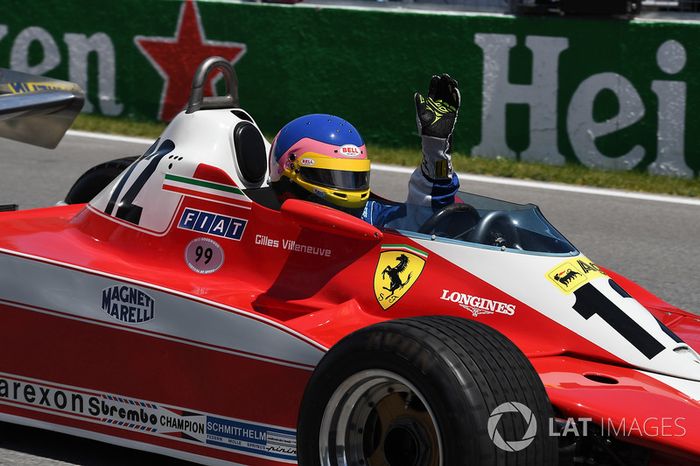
(397, 271)
(572, 274)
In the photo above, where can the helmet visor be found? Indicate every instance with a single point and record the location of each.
(337, 179)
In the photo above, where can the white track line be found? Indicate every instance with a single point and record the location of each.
(554, 186)
(464, 177)
(109, 137)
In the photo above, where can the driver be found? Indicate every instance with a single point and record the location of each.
(323, 158)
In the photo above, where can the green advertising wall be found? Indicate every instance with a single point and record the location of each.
(604, 93)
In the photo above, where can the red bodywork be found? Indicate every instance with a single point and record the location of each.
(315, 298)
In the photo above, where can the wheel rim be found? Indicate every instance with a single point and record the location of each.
(378, 418)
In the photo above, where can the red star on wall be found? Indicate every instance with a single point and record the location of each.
(176, 58)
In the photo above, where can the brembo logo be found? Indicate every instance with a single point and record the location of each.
(128, 304)
(477, 305)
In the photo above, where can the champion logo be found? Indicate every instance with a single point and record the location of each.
(135, 415)
(476, 305)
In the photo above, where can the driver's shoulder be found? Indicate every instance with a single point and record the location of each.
(379, 213)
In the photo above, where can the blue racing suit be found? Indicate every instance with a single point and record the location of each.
(433, 185)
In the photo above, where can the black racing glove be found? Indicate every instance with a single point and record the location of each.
(436, 116)
(438, 113)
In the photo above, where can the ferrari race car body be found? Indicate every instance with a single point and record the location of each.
(183, 310)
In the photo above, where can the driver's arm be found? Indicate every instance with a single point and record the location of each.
(434, 183)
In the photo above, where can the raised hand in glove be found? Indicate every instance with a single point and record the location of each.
(436, 116)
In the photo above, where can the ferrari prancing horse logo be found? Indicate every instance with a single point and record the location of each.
(398, 269)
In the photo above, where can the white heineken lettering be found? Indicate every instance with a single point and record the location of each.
(19, 55)
(80, 47)
(477, 305)
(582, 128)
(670, 149)
(540, 96)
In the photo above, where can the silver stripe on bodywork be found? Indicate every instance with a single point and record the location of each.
(201, 429)
(77, 294)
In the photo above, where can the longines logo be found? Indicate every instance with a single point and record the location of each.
(477, 305)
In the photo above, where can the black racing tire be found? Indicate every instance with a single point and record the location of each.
(449, 371)
(93, 181)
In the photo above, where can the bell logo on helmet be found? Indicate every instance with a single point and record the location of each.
(350, 150)
(325, 156)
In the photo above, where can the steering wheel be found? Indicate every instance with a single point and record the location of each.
(497, 229)
(448, 211)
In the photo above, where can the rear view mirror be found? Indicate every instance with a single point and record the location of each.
(35, 109)
(328, 220)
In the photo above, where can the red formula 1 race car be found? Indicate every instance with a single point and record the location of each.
(185, 311)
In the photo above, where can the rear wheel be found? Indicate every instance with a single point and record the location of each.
(429, 391)
(93, 181)
(397, 426)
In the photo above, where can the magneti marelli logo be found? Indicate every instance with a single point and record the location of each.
(495, 419)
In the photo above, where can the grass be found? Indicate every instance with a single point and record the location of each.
(569, 174)
(102, 124)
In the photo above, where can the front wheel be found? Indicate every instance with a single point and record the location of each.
(428, 391)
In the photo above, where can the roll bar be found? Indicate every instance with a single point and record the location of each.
(229, 100)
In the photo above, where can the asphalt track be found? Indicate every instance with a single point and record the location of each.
(654, 240)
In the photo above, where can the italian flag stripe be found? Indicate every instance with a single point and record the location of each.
(205, 189)
(404, 247)
(203, 184)
(208, 196)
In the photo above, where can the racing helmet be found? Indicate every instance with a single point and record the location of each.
(324, 155)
